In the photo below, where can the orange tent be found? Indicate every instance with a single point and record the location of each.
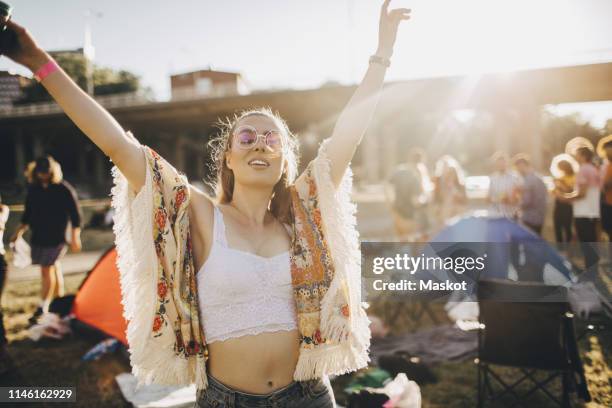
(98, 300)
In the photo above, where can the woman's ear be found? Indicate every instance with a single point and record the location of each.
(227, 160)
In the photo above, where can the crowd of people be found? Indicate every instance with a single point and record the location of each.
(581, 189)
(420, 201)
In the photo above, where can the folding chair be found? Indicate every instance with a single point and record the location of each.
(412, 308)
(527, 325)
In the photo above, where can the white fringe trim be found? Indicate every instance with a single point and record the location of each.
(153, 359)
(327, 359)
(338, 214)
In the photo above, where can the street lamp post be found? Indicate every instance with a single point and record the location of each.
(89, 50)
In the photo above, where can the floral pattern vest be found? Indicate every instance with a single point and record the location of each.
(166, 339)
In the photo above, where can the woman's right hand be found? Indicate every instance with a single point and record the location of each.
(27, 52)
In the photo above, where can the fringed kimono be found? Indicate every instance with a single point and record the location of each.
(166, 339)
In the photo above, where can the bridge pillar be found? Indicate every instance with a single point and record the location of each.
(37, 147)
(82, 164)
(20, 162)
(198, 147)
(179, 152)
(98, 167)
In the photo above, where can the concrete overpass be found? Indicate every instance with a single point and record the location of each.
(179, 129)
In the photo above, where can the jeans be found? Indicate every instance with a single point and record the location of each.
(298, 394)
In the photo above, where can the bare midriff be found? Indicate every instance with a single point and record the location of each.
(255, 364)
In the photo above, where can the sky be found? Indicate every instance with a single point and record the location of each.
(302, 44)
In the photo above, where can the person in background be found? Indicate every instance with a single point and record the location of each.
(585, 202)
(563, 168)
(604, 149)
(407, 193)
(533, 194)
(504, 188)
(449, 195)
(4, 214)
(423, 215)
(50, 204)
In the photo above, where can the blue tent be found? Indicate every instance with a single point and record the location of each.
(496, 237)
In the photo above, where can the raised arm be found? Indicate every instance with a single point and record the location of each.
(84, 111)
(355, 118)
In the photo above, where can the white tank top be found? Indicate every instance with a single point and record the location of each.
(241, 293)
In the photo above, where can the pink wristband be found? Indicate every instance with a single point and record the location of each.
(47, 69)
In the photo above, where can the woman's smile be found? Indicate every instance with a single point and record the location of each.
(259, 164)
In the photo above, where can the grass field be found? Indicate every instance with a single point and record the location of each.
(56, 363)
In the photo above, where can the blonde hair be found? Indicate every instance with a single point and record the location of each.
(601, 146)
(563, 157)
(572, 146)
(54, 168)
(280, 201)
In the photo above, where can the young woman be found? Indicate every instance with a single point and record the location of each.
(585, 205)
(563, 168)
(450, 196)
(50, 204)
(234, 263)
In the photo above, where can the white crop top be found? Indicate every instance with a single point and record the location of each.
(241, 293)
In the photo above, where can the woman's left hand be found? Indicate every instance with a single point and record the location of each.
(76, 246)
(387, 29)
(75, 242)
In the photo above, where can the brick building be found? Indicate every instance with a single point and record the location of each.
(207, 83)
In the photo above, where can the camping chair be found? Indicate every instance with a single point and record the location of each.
(527, 325)
(414, 308)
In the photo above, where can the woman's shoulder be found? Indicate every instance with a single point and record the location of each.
(588, 170)
(198, 193)
(200, 203)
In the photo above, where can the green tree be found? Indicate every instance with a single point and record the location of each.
(106, 80)
(557, 130)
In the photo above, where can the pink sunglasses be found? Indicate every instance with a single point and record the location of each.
(246, 137)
